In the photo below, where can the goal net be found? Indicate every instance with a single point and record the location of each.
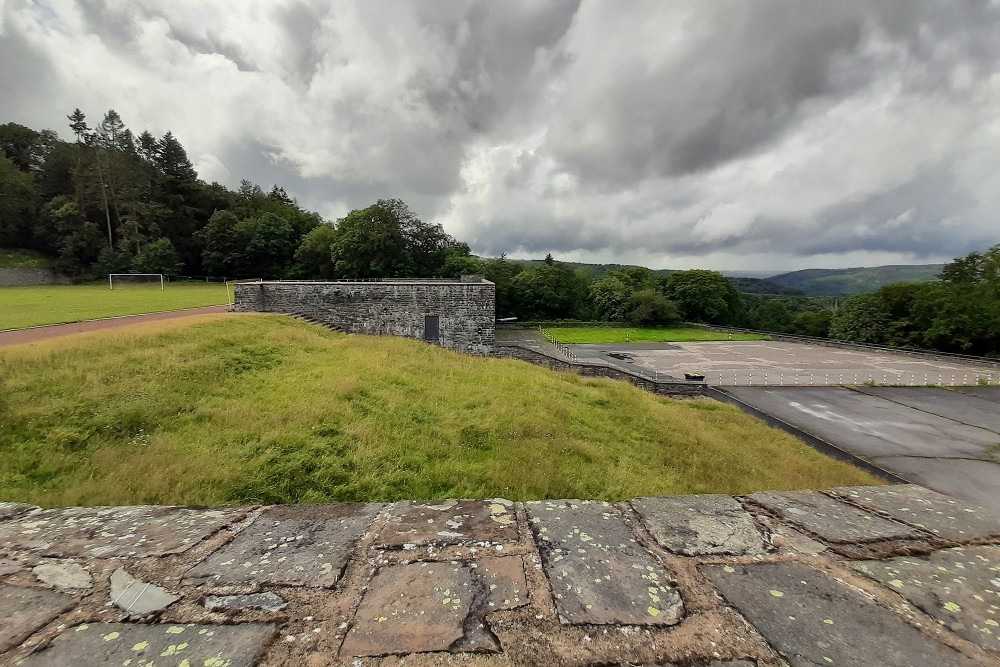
(129, 280)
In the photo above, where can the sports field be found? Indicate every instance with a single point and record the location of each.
(571, 335)
(56, 304)
(267, 409)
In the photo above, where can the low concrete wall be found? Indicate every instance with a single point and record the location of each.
(19, 277)
(465, 310)
(671, 388)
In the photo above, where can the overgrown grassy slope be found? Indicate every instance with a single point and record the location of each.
(263, 408)
(52, 304)
(23, 259)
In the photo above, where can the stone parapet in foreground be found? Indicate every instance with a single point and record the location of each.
(894, 575)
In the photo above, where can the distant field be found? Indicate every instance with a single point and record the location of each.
(643, 335)
(267, 409)
(53, 304)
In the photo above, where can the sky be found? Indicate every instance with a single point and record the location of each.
(766, 135)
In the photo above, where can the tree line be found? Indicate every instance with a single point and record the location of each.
(960, 312)
(111, 201)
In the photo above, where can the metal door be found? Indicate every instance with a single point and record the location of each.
(431, 328)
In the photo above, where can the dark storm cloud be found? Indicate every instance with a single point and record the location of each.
(743, 85)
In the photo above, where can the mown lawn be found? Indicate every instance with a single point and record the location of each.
(53, 304)
(267, 409)
(644, 335)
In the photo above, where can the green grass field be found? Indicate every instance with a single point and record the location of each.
(643, 335)
(53, 304)
(267, 409)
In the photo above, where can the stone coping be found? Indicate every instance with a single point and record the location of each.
(894, 575)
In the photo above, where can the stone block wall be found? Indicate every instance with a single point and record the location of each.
(465, 310)
(19, 276)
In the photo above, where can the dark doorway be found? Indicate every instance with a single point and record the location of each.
(431, 328)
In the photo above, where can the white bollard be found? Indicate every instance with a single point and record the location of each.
(765, 379)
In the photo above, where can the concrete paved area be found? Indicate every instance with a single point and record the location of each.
(743, 363)
(857, 576)
(946, 440)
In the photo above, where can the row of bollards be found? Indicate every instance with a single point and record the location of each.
(564, 349)
(887, 380)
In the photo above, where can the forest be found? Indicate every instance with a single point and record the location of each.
(111, 201)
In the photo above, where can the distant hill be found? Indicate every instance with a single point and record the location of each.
(859, 279)
(759, 286)
(595, 270)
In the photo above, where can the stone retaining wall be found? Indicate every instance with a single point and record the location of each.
(465, 310)
(673, 388)
(894, 576)
(17, 277)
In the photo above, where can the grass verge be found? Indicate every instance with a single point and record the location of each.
(22, 307)
(267, 409)
(572, 335)
(23, 259)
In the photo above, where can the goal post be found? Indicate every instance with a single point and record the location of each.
(125, 278)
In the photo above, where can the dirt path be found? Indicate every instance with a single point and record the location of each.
(33, 334)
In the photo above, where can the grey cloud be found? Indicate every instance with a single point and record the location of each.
(24, 73)
(596, 128)
(742, 83)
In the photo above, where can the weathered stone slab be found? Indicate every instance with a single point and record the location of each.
(812, 619)
(14, 510)
(958, 587)
(188, 645)
(294, 545)
(266, 601)
(449, 522)
(111, 532)
(599, 573)
(138, 597)
(25, 610)
(503, 578)
(412, 608)
(832, 520)
(946, 517)
(700, 525)
(8, 566)
(63, 574)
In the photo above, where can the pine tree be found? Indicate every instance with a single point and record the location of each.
(78, 123)
(173, 160)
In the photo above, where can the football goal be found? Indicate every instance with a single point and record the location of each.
(120, 280)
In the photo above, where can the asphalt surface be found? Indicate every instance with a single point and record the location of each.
(946, 440)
